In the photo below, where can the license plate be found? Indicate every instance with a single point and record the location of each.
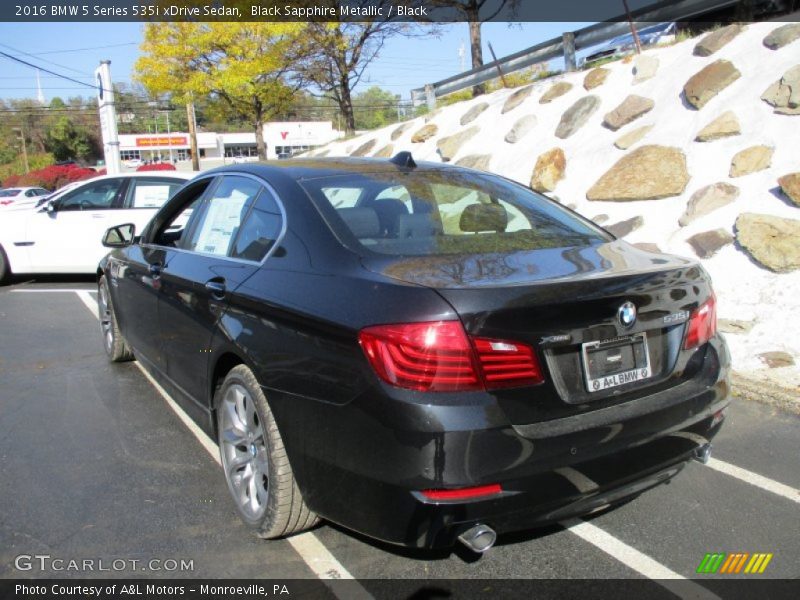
(618, 361)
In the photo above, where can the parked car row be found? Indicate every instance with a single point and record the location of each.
(14, 196)
(421, 353)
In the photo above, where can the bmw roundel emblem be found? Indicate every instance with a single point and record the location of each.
(626, 314)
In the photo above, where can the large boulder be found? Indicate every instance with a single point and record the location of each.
(790, 185)
(784, 94)
(576, 116)
(521, 128)
(425, 133)
(517, 98)
(627, 140)
(400, 131)
(706, 244)
(549, 170)
(647, 173)
(726, 125)
(783, 35)
(773, 242)
(556, 90)
(364, 148)
(708, 199)
(386, 152)
(709, 81)
(629, 110)
(645, 67)
(595, 78)
(473, 113)
(717, 39)
(475, 161)
(625, 227)
(750, 160)
(449, 146)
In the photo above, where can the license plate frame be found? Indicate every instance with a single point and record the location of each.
(608, 381)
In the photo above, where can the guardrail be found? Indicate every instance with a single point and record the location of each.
(566, 46)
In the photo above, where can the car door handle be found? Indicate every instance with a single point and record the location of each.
(216, 287)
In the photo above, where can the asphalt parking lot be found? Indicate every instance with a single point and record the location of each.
(94, 463)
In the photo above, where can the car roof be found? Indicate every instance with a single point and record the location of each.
(175, 174)
(313, 168)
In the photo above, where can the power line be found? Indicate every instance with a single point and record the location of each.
(85, 49)
(44, 59)
(65, 77)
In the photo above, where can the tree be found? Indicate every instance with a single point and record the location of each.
(375, 108)
(68, 141)
(252, 67)
(471, 10)
(344, 50)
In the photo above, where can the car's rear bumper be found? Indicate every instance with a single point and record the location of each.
(363, 466)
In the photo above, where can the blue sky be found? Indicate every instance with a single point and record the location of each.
(404, 64)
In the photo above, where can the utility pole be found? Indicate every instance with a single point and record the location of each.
(192, 135)
(21, 139)
(636, 40)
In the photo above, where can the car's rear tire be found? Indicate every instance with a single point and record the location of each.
(254, 460)
(115, 346)
(5, 268)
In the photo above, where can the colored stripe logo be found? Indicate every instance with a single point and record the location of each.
(734, 563)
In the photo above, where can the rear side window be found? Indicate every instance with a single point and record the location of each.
(259, 231)
(447, 211)
(223, 213)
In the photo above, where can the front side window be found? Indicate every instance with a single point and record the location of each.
(222, 213)
(444, 211)
(97, 195)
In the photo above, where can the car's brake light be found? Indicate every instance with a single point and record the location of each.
(702, 324)
(507, 364)
(439, 357)
(468, 493)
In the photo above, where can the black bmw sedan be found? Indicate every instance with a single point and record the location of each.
(417, 352)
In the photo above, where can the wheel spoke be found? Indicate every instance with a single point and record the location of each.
(234, 436)
(242, 459)
(232, 417)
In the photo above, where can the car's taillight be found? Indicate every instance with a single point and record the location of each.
(702, 324)
(507, 364)
(439, 357)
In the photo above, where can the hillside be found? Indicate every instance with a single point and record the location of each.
(566, 144)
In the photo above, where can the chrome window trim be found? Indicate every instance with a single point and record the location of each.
(281, 234)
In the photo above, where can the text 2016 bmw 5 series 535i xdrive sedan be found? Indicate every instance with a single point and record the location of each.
(420, 353)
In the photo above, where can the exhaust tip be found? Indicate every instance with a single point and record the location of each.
(478, 538)
(702, 453)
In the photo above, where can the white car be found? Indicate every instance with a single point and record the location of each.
(134, 163)
(64, 235)
(14, 196)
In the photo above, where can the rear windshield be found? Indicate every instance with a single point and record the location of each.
(446, 211)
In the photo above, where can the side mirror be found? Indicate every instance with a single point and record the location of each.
(50, 206)
(119, 236)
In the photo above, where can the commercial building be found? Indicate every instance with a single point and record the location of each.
(282, 139)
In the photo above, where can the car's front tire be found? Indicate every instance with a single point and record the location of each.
(254, 460)
(5, 268)
(113, 342)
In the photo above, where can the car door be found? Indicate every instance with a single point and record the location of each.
(219, 252)
(135, 276)
(68, 238)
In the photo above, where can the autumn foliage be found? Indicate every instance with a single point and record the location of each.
(157, 167)
(51, 177)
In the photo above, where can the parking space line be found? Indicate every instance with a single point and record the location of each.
(313, 552)
(755, 479)
(638, 561)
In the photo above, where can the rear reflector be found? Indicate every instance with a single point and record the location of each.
(439, 357)
(469, 493)
(702, 324)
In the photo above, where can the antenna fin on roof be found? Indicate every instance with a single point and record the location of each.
(404, 160)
